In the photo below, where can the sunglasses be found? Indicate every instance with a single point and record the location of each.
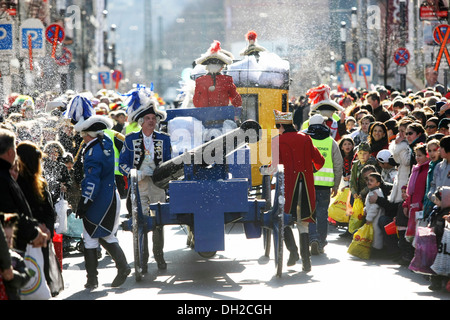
(430, 127)
(409, 133)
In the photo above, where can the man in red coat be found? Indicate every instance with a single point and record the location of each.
(215, 89)
(224, 91)
(301, 159)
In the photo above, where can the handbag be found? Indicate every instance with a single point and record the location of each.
(425, 252)
(56, 283)
(362, 242)
(441, 264)
(74, 226)
(338, 208)
(61, 215)
(357, 218)
(36, 288)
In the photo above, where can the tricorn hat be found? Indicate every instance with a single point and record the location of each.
(252, 47)
(319, 98)
(215, 55)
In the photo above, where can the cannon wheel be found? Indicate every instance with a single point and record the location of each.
(207, 254)
(278, 223)
(138, 234)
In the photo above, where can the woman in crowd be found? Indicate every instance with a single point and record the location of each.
(35, 189)
(378, 138)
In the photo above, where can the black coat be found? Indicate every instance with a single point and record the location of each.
(12, 200)
(43, 210)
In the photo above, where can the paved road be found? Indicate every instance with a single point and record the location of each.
(243, 272)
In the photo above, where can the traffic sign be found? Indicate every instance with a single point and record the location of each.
(35, 29)
(6, 37)
(439, 33)
(104, 77)
(351, 66)
(65, 58)
(364, 70)
(55, 32)
(442, 33)
(402, 56)
(117, 75)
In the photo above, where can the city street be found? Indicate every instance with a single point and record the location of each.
(242, 272)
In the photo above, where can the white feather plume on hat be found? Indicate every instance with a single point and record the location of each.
(141, 101)
(82, 115)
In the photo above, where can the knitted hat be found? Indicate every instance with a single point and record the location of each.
(364, 146)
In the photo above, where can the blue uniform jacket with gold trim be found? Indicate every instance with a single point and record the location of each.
(133, 151)
(98, 186)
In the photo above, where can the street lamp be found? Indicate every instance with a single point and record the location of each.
(354, 22)
(113, 45)
(343, 41)
(403, 41)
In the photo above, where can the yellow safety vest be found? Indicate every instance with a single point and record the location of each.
(132, 127)
(325, 176)
(112, 134)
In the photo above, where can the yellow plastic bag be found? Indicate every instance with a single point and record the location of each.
(362, 242)
(338, 208)
(357, 219)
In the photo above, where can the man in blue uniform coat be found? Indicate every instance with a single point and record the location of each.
(99, 205)
(145, 150)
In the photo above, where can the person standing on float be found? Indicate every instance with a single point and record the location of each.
(215, 89)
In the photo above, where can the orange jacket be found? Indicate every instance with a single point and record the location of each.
(221, 96)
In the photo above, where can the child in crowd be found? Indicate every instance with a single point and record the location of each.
(373, 211)
(358, 187)
(435, 158)
(388, 166)
(361, 135)
(416, 188)
(346, 146)
(438, 217)
(350, 124)
(441, 174)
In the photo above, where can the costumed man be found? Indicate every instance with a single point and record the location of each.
(321, 103)
(99, 206)
(253, 49)
(300, 158)
(145, 150)
(215, 89)
(327, 179)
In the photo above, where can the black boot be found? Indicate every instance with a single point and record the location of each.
(289, 241)
(91, 263)
(123, 270)
(158, 245)
(304, 252)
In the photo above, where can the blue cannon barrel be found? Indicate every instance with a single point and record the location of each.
(206, 154)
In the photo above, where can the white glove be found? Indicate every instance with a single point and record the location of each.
(147, 171)
(140, 175)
